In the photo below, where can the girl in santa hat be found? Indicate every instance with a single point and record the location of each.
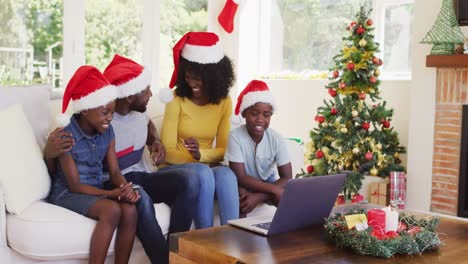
(197, 121)
(78, 183)
(255, 149)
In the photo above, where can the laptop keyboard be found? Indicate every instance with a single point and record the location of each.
(265, 226)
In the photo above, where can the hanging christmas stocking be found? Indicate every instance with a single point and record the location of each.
(226, 17)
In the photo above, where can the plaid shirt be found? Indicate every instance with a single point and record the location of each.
(88, 154)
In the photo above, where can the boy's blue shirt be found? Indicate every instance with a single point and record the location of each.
(88, 154)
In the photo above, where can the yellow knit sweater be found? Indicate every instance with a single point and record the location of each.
(207, 123)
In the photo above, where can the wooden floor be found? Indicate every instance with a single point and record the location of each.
(227, 244)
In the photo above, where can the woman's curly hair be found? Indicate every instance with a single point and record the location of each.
(217, 78)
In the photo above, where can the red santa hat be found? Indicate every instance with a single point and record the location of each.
(87, 89)
(199, 47)
(129, 76)
(226, 17)
(255, 92)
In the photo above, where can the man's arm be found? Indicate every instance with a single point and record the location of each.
(58, 142)
(155, 146)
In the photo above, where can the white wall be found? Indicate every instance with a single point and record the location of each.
(298, 101)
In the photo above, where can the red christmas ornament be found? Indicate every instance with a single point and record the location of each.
(369, 22)
(332, 92)
(340, 199)
(342, 85)
(360, 30)
(362, 96)
(336, 74)
(352, 24)
(350, 66)
(369, 155)
(357, 198)
(310, 169)
(375, 60)
(333, 111)
(372, 79)
(402, 227)
(320, 119)
(414, 230)
(365, 126)
(386, 124)
(319, 154)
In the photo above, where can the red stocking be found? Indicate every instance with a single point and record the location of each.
(226, 17)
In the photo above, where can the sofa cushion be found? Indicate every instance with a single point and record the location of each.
(48, 232)
(34, 100)
(24, 178)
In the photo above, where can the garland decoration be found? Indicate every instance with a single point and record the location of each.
(413, 237)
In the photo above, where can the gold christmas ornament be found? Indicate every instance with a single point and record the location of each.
(376, 73)
(324, 124)
(354, 113)
(363, 43)
(373, 172)
(356, 150)
(344, 130)
(396, 155)
(378, 146)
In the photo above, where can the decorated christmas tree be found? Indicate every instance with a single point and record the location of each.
(354, 132)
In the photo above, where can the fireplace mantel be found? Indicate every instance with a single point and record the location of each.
(447, 61)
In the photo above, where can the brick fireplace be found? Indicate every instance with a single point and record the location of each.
(451, 94)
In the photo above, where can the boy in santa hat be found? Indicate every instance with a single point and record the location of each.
(254, 149)
(79, 183)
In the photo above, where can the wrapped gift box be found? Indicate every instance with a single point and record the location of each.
(379, 193)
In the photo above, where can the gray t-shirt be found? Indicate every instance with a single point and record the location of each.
(259, 160)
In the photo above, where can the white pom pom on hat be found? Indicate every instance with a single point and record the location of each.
(255, 92)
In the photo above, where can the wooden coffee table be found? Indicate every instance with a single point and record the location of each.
(228, 244)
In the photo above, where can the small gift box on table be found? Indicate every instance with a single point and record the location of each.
(379, 193)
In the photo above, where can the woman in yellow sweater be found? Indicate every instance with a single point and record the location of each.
(197, 122)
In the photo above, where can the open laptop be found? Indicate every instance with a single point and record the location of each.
(305, 201)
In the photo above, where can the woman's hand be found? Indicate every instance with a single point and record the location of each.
(59, 142)
(158, 152)
(191, 144)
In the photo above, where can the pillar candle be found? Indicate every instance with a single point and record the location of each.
(391, 219)
(376, 219)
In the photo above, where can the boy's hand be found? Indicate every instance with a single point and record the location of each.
(191, 144)
(277, 194)
(158, 152)
(58, 142)
(248, 201)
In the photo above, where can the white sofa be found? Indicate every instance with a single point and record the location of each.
(42, 232)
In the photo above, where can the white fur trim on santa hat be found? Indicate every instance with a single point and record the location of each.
(166, 95)
(95, 99)
(236, 1)
(136, 84)
(203, 54)
(236, 120)
(252, 98)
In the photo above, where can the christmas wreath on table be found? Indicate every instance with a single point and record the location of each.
(413, 236)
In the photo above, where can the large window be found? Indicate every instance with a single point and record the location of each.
(113, 26)
(298, 38)
(30, 42)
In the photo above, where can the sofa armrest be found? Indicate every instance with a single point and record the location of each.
(3, 242)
